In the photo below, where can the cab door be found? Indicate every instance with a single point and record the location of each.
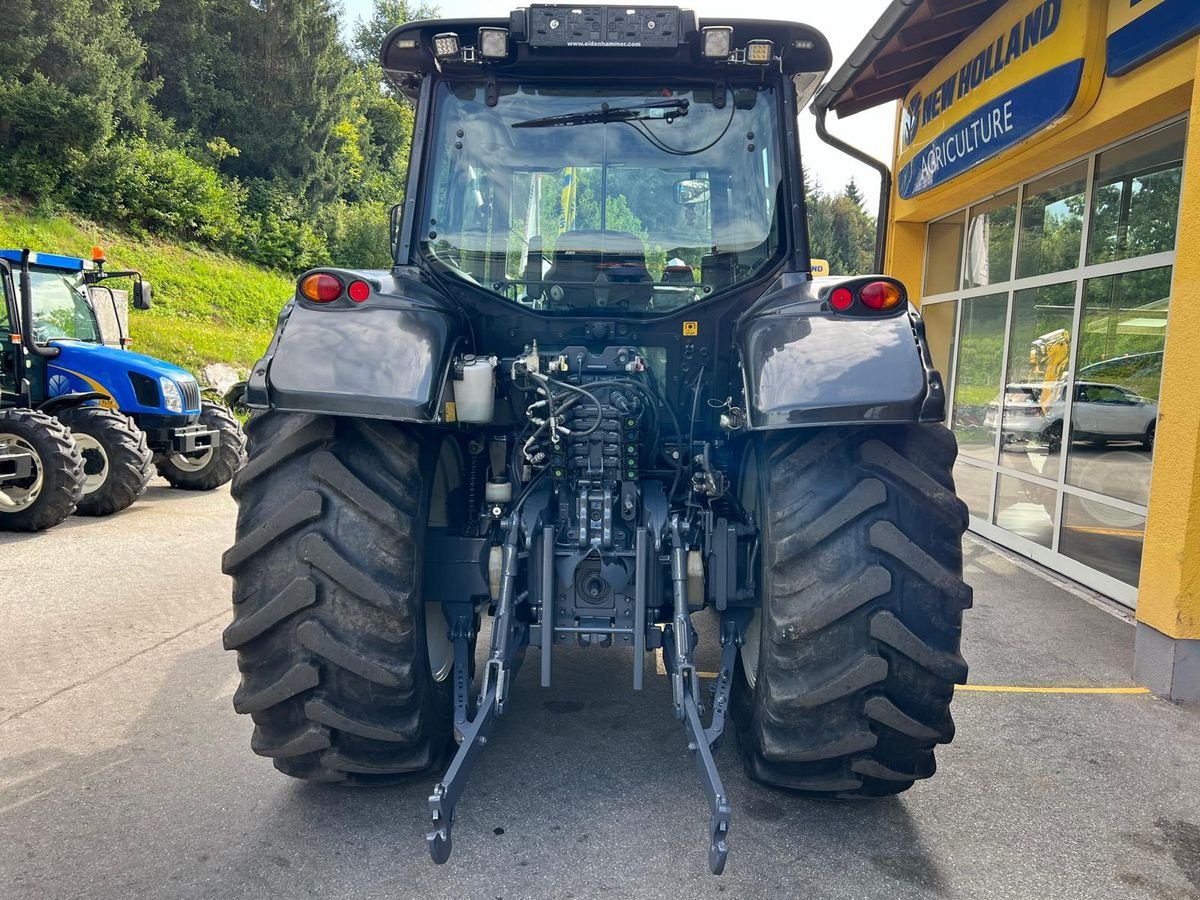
(9, 353)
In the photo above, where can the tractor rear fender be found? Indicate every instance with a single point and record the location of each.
(806, 363)
(384, 357)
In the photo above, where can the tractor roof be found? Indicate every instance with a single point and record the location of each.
(49, 260)
(582, 43)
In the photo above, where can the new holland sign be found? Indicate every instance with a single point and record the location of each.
(1024, 70)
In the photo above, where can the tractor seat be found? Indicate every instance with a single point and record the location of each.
(599, 268)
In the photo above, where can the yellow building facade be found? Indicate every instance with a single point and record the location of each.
(1045, 214)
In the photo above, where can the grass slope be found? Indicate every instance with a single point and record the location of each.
(207, 307)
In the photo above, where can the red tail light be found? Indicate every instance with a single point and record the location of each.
(359, 291)
(321, 288)
(841, 298)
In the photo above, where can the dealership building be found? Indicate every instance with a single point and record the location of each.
(1044, 210)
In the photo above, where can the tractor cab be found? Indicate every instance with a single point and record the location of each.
(607, 160)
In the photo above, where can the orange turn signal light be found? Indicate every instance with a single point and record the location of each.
(879, 295)
(321, 287)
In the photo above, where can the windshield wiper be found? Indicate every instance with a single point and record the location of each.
(667, 110)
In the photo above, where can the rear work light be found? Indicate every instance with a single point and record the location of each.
(321, 288)
(879, 295)
(445, 45)
(759, 52)
(717, 41)
(493, 43)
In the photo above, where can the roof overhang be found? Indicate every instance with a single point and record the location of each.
(908, 40)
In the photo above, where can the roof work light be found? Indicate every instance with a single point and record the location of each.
(493, 43)
(759, 52)
(717, 41)
(445, 45)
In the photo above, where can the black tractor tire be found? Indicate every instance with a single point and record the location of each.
(59, 464)
(328, 613)
(117, 463)
(218, 466)
(862, 599)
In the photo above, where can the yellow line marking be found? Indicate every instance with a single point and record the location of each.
(1116, 532)
(1025, 689)
(981, 688)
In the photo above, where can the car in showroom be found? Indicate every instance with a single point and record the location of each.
(1101, 413)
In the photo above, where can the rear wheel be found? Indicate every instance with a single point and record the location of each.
(117, 464)
(844, 684)
(329, 622)
(1148, 437)
(1053, 436)
(215, 466)
(49, 493)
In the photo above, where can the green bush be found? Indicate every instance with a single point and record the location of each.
(279, 231)
(358, 235)
(45, 135)
(160, 190)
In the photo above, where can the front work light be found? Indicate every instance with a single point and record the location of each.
(759, 52)
(445, 45)
(493, 43)
(717, 41)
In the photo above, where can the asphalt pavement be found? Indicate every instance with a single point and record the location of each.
(124, 771)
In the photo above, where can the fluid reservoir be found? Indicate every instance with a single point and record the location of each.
(475, 394)
(498, 490)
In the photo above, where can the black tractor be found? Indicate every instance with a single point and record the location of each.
(600, 395)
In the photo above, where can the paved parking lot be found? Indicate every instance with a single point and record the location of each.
(125, 773)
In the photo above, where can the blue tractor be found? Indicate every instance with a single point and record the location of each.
(128, 413)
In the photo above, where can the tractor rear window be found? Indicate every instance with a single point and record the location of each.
(633, 199)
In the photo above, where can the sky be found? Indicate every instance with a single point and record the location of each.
(843, 22)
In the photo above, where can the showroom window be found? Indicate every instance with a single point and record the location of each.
(1047, 308)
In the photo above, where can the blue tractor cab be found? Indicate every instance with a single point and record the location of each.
(128, 412)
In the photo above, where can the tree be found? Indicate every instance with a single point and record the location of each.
(853, 193)
(68, 78)
(188, 50)
(288, 91)
(839, 229)
(386, 15)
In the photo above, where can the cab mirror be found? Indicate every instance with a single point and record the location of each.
(141, 294)
(690, 191)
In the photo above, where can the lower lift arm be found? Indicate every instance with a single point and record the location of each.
(509, 637)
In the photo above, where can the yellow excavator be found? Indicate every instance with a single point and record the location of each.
(1048, 358)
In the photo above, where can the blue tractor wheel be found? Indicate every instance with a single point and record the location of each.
(117, 463)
